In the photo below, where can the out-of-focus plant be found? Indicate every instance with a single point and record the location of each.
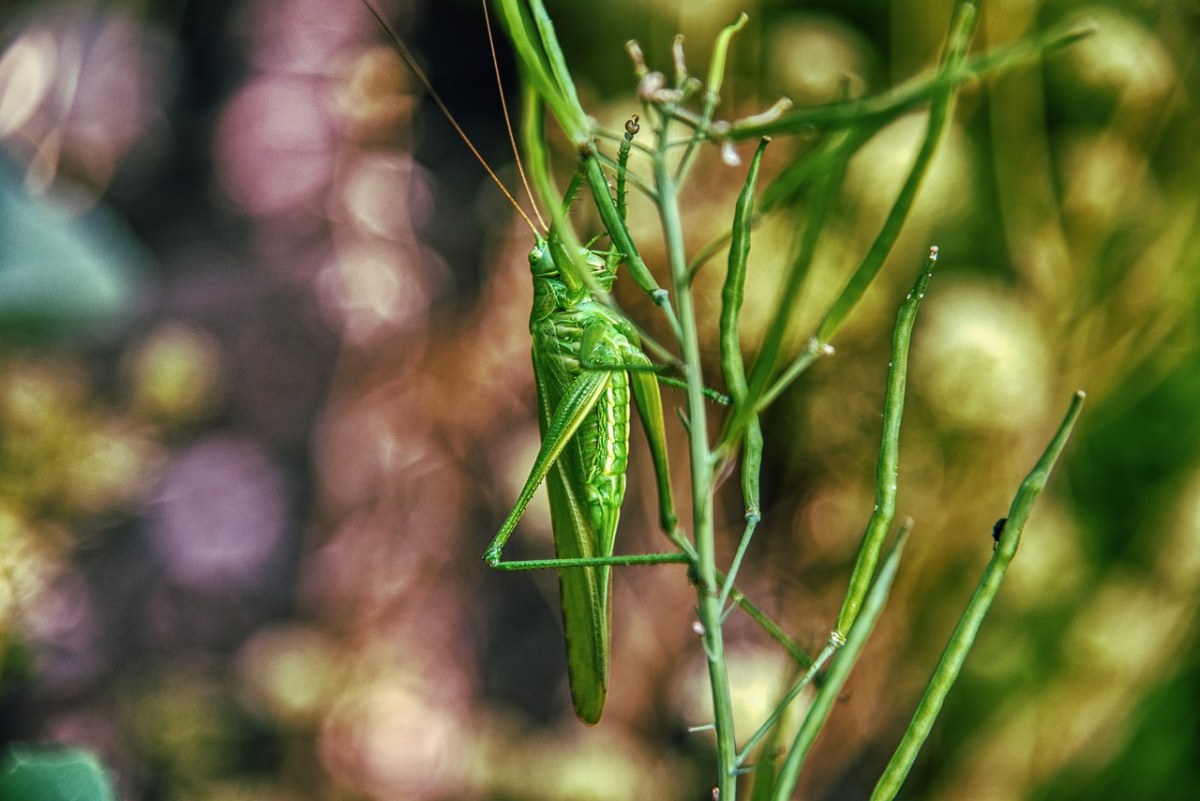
(66, 775)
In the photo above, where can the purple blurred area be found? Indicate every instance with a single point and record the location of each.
(228, 509)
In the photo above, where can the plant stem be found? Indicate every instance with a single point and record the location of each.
(940, 107)
(963, 637)
(915, 91)
(708, 603)
(888, 465)
(818, 713)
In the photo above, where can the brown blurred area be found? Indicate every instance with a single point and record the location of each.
(265, 396)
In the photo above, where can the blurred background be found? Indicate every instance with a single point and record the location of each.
(265, 396)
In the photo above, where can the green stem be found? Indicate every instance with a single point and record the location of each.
(631, 129)
(961, 29)
(709, 605)
(963, 637)
(712, 94)
(915, 91)
(787, 185)
(732, 365)
(889, 453)
(818, 713)
(755, 613)
(823, 197)
(768, 725)
(617, 230)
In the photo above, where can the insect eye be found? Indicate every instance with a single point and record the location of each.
(541, 262)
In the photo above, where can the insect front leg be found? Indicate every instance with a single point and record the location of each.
(636, 362)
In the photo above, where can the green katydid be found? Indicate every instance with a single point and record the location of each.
(588, 364)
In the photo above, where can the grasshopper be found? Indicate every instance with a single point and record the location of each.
(588, 365)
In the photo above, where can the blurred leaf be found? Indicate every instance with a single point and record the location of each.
(60, 274)
(61, 775)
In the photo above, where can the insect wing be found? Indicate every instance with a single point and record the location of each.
(585, 591)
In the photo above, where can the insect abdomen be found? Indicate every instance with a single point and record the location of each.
(606, 456)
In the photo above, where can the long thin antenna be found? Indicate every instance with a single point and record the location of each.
(512, 139)
(411, 61)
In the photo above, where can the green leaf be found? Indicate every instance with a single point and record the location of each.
(61, 274)
(69, 774)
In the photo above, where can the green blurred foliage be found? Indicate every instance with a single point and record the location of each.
(64, 775)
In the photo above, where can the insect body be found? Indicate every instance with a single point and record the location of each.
(587, 365)
(998, 531)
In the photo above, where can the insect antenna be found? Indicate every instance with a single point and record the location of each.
(512, 139)
(411, 61)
